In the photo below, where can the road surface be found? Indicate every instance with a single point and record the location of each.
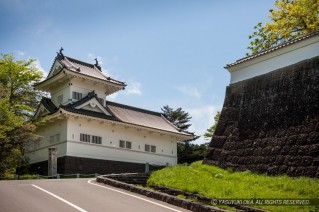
(73, 195)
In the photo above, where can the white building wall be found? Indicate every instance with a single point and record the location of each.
(280, 58)
(166, 148)
(86, 86)
(64, 90)
(39, 151)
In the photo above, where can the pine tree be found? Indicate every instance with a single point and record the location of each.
(211, 130)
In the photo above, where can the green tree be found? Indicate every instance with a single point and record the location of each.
(289, 19)
(186, 152)
(178, 117)
(18, 101)
(211, 130)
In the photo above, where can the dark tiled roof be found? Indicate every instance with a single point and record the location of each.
(89, 113)
(48, 104)
(71, 107)
(120, 113)
(141, 117)
(86, 69)
(125, 114)
(81, 67)
(273, 48)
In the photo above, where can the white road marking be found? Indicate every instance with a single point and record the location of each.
(137, 197)
(60, 198)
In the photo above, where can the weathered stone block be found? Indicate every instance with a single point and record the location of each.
(217, 141)
(314, 150)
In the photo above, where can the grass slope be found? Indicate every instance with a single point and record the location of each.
(215, 182)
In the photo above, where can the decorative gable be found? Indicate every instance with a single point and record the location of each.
(57, 66)
(93, 105)
(42, 111)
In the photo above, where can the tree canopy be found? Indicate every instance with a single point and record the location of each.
(18, 101)
(289, 19)
(186, 152)
(178, 117)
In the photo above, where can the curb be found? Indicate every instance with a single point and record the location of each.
(173, 200)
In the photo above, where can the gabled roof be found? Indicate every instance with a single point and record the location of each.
(74, 107)
(298, 39)
(47, 105)
(142, 117)
(119, 113)
(77, 67)
(88, 69)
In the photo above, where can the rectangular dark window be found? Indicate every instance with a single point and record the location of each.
(96, 139)
(150, 148)
(125, 144)
(55, 138)
(122, 144)
(153, 148)
(76, 95)
(147, 147)
(128, 145)
(85, 138)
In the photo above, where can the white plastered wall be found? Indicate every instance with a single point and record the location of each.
(62, 90)
(86, 86)
(39, 151)
(166, 147)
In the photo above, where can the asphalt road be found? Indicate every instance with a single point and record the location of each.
(73, 195)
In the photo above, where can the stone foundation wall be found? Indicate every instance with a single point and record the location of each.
(270, 123)
(73, 165)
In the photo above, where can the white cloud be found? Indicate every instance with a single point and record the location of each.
(202, 119)
(112, 97)
(20, 53)
(189, 90)
(134, 88)
(37, 64)
(92, 57)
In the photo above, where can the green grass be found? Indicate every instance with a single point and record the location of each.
(219, 183)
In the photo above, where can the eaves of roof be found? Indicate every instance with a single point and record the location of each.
(304, 37)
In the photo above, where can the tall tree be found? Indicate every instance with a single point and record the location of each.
(289, 19)
(178, 117)
(211, 130)
(18, 101)
(186, 152)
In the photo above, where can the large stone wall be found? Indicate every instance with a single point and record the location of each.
(270, 123)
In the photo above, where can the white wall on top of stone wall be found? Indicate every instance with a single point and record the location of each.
(285, 56)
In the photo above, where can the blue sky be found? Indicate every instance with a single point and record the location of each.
(169, 52)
